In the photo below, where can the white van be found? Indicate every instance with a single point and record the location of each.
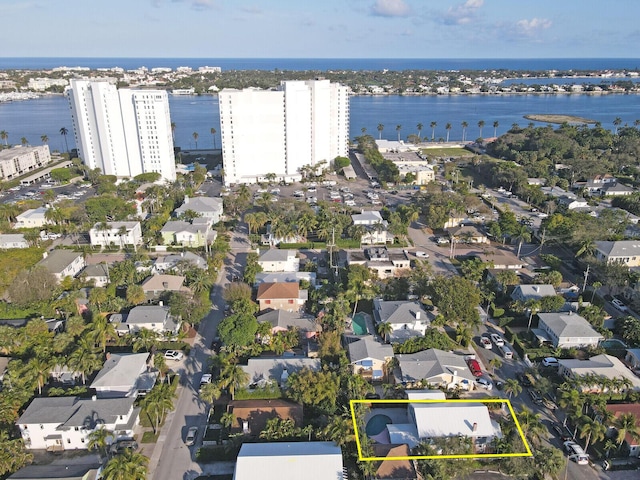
(506, 352)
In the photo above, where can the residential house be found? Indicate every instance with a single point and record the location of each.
(385, 262)
(289, 461)
(151, 317)
(368, 357)
(97, 273)
(250, 416)
(180, 261)
(264, 370)
(571, 202)
(32, 218)
(617, 190)
(125, 375)
(197, 233)
(276, 260)
(408, 319)
(632, 358)
(467, 234)
(557, 192)
(63, 263)
(65, 423)
(13, 240)
(605, 366)
(436, 367)
(157, 285)
(374, 227)
(86, 467)
(205, 207)
(595, 185)
(625, 408)
(368, 218)
(117, 234)
(566, 330)
(422, 171)
(283, 320)
(281, 296)
(523, 293)
(626, 252)
(393, 469)
(502, 259)
(272, 239)
(278, 277)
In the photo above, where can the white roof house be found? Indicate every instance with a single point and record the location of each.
(567, 329)
(626, 252)
(263, 370)
(208, 207)
(437, 367)
(276, 260)
(124, 375)
(13, 240)
(602, 365)
(168, 262)
(116, 233)
(150, 317)
(407, 318)
(32, 218)
(532, 292)
(435, 420)
(289, 461)
(368, 217)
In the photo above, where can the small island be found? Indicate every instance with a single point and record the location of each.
(557, 118)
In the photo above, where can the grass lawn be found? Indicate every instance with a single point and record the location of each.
(149, 437)
(446, 152)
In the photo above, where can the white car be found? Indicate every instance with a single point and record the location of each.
(312, 190)
(192, 433)
(550, 362)
(619, 305)
(485, 342)
(484, 383)
(421, 254)
(497, 339)
(176, 355)
(576, 453)
(350, 203)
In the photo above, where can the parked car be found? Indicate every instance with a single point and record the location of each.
(563, 432)
(619, 305)
(206, 378)
(485, 342)
(548, 403)
(524, 379)
(474, 366)
(485, 383)
(176, 355)
(192, 433)
(576, 453)
(535, 396)
(497, 339)
(550, 362)
(421, 254)
(121, 445)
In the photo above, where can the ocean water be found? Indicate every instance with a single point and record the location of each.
(323, 64)
(45, 116)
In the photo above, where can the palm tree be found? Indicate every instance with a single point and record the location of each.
(495, 363)
(44, 139)
(447, 127)
(627, 423)
(195, 136)
(531, 424)
(533, 305)
(480, 126)
(592, 430)
(99, 440)
(156, 403)
(384, 330)
(496, 124)
(571, 400)
(595, 286)
(522, 235)
(233, 377)
(609, 445)
(24, 141)
(464, 130)
(616, 123)
(126, 466)
(64, 132)
(363, 130)
(145, 340)
(512, 387)
(419, 127)
(84, 358)
(102, 331)
(433, 126)
(213, 134)
(41, 369)
(398, 128)
(200, 281)
(210, 392)
(173, 131)
(4, 135)
(380, 129)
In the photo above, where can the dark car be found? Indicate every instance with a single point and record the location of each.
(535, 396)
(524, 379)
(563, 432)
(121, 445)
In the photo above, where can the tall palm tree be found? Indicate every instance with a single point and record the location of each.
(495, 363)
(200, 281)
(522, 235)
(480, 126)
(592, 430)
(616, 123)
(40, 369)
(232, 378)
(363, 130)
(99, 440)
(496, 124)
(102, 331)
(24, 141)
(512, 387)
(195, 136)
(384, 330)
(129, 465)
(44, 139)
(464, 130)
(380, 129)
(447, 127)
(84, 358)
(4, 135)
(398, 128)
(627, 423)
(433, 126)
(419, 127)
(531, 424)
(213, 134)
(173, 131)
(210, 392)
(533, 305)
(64, 132)
(145, 340)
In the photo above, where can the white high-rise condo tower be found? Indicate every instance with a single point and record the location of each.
(123, 132)
(279, 131)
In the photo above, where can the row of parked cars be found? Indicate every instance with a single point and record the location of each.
(495, 339)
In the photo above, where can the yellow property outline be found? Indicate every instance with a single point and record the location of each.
(432, 457)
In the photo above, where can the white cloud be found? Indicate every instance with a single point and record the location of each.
(390, 8)
(532, 27)
(463, 13)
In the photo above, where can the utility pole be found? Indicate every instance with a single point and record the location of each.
(586, 276)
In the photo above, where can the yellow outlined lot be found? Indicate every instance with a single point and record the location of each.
(527, 453)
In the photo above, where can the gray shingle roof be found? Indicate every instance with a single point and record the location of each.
(622, 248)
(285, 319)
(276, 255)
(121, 370)
(58, 260)
(261, 369)
(148, 314)
(200, 204)
(568, 325)
(368, 347)
(398, 311)
(432, 363)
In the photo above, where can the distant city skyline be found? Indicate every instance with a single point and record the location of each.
(327, 29)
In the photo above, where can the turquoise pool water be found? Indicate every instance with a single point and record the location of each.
(377, 424)
(359, 324)
(613, 343)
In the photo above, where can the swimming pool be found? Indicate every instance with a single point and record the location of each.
(613, 343)
(359, 324)
(377, 424)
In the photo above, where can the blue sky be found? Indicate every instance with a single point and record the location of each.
(320, 28)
